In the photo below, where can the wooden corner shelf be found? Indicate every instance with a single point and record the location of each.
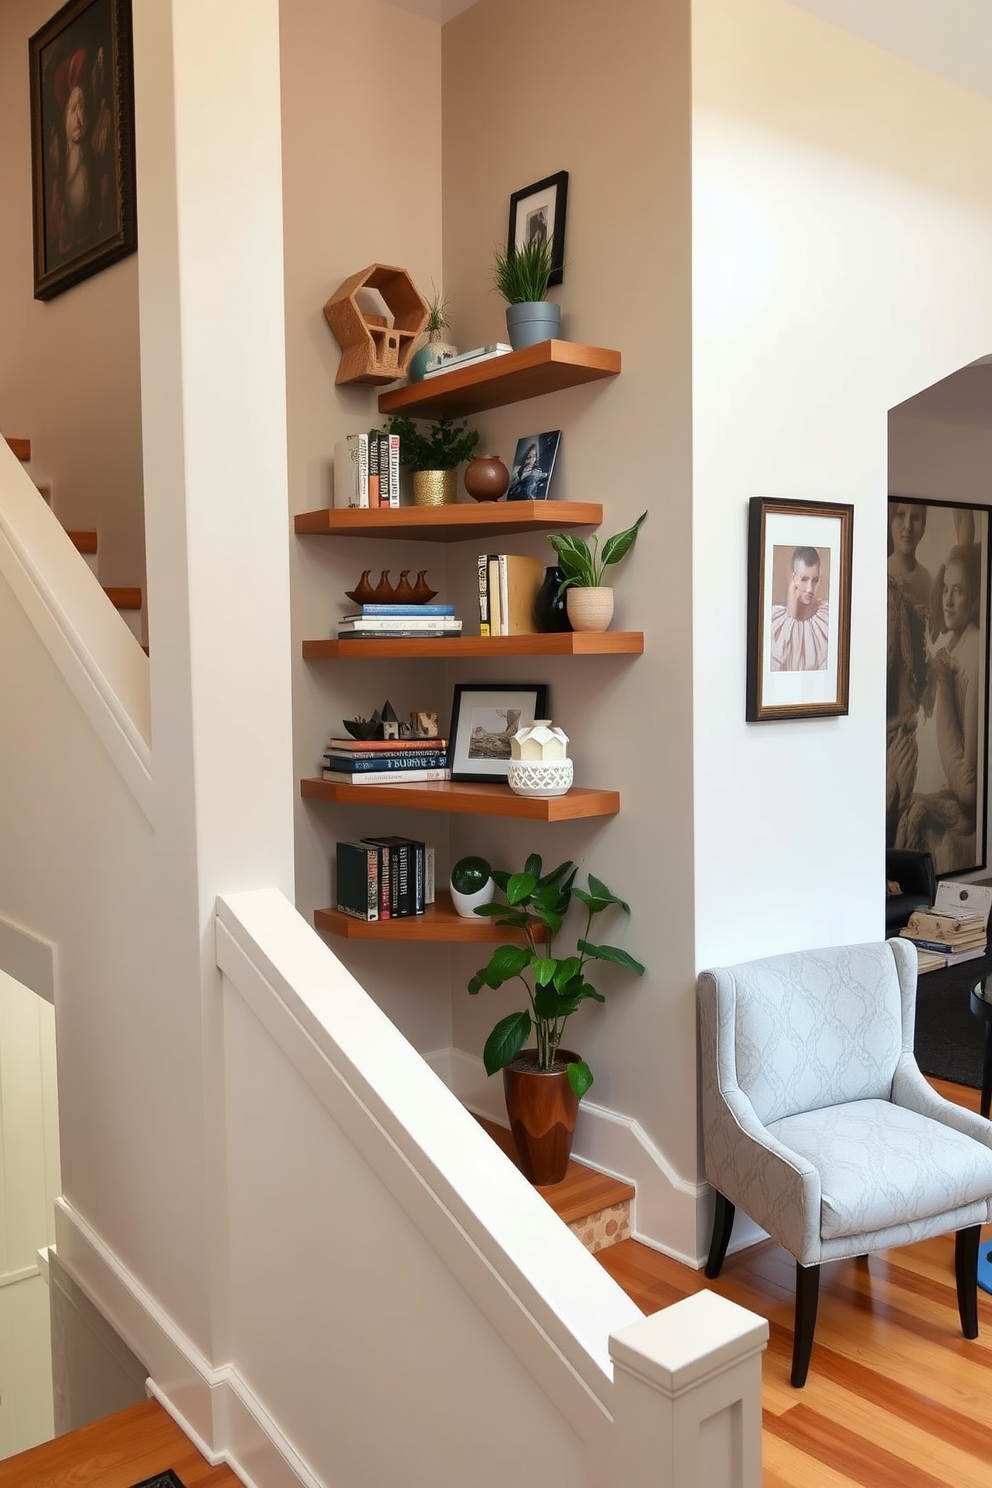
(464, 798)
(570, 643)
(439, 922)
(547, 367)
(457, 523)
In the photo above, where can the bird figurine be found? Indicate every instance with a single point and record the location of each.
(403, 592)
(422, 591)
(363, 593)
(384, 589)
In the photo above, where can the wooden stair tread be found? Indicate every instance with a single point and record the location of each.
(119, 1450)
(582, 1192)
(84, 541)
(123, 598)
(21, 448)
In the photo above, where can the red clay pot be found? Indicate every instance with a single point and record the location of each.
(543, 1109)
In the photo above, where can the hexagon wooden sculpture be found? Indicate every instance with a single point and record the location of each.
(371, 349)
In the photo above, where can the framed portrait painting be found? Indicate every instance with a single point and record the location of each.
(798, 609)
(538, 211)
(936, 685)
(533, 466)
(484, 718)
(82, 143)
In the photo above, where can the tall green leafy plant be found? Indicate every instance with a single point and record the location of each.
(521, 274)
(582, 564)
(556, 986)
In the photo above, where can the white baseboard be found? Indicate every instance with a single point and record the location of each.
(668, 1212)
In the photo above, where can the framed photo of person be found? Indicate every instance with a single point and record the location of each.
(538, 211)
(82, 143)
(936, 684)
(484, 718)
(533, 466)
(798, 609)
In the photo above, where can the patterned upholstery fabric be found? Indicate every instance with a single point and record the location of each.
(816, 1120)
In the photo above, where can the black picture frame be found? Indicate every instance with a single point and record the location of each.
(541, 208)
(799, 554)
(82, 143)
(939, 581)
(476, 704)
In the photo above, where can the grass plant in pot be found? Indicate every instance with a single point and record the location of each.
(433, 455)
(544, 1084)
(588, 599)
(521, 276)
(437, 347)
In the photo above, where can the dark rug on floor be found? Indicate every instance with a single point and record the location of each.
(950, 1040)
(167, 1479)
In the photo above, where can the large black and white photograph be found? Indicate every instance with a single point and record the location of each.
(537, 214)
(799, 609)
(936, 690)
(484, 719)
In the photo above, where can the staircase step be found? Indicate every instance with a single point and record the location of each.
(83, 541)
(123, 599)
(21, 448)
(594, 1205)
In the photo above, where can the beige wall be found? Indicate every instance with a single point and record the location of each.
(68, 368)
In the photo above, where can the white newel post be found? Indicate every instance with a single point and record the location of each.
(687, 1396)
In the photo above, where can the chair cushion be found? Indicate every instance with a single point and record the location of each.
(882, 1165)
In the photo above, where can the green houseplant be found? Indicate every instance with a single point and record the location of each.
(583, 566)
(521, 274)
(556, 986)
(429, 450)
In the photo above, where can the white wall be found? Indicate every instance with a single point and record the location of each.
(842, 235)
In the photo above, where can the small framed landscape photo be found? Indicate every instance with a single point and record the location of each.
(82, 143)
(484, 718)
(798, 609)
(538, 211)
(533, 466)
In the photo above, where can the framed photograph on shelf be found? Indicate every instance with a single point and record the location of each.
(798, 609)
(484, 718)
(538, 211)
(533, 466)
(936, 692)
(82, 143)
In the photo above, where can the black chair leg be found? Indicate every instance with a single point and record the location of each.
(723, 1224)
(966, 1276)
(807, 1293)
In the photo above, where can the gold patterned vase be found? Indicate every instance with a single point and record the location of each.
(435, 487)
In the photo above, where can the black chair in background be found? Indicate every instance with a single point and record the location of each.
(917, 880)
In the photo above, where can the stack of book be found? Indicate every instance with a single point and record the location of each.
(508, 585)
(956, 937)
(367, 470)
(384, 878)
(467, 358)
(385, 761)
(387, 621)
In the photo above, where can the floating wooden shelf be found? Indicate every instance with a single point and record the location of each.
(439, 922)
(458, 523)
(569, 643)
(21, 448)
(545, 368)
(463, 798)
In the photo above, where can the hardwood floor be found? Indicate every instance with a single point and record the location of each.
(895, 1395)
(123, 1449)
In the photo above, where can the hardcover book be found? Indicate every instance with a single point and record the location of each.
(392, 611)
(357, 880)
(519, 580)
(351, 471)
(384, 777)
(434, 759)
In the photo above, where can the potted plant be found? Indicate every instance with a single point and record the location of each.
(543, 1085)
(471, 884)
(589, 601)
(437, 347)
(433, 454)
(521, 276)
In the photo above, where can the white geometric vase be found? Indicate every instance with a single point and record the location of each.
(539, 765)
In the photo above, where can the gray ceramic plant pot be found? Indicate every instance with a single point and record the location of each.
(533, 321)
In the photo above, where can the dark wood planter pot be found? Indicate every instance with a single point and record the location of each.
(543, 1109)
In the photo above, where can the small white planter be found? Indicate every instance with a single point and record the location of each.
(466, 904)
(589, 609)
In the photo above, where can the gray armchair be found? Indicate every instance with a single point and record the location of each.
(818, 1124)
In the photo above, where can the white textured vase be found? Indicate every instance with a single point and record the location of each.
(466, 904)
(539, 777)
(589, 609)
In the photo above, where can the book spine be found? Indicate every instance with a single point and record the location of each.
(388, 623)
(393, 441)
(373, 439)
(945, 947)
(433, 759)
(495, 615)
(484, 594)
(428, 875)
(360, 748)
(504, 595)
(385, 890)
(419, 900)
(363, 469)
(404, 897)
(384, 777)
(396, 611)
(358, 880)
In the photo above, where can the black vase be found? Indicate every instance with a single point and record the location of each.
(550, 613)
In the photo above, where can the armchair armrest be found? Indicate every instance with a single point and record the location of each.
(911, 1090)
